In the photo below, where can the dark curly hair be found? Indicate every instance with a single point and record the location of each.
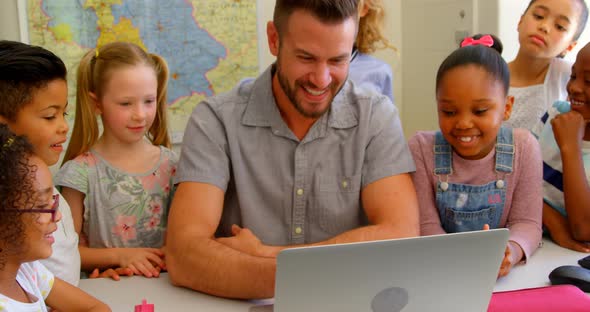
(17, 177)
(24, 70)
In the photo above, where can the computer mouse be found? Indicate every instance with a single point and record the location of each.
(572, 275)
(585, 262)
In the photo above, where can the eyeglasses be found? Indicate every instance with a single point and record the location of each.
(52, 211)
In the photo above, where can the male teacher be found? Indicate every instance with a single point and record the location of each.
(297, 157)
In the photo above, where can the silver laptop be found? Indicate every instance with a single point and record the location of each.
(451, 272)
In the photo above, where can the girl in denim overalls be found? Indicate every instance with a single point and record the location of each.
(475, 173)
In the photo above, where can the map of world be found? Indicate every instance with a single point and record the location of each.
(209, 45)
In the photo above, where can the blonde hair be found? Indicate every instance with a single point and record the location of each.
(93, 73)
(370, 34)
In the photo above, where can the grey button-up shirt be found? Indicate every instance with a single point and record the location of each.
(284, 190)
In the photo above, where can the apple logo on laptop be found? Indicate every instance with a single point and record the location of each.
(392, 299)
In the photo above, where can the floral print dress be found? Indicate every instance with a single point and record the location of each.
(122, 209)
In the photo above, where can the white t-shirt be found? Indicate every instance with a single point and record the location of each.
(37, 281)
(530, 103)
(65, 258)
(553, 164)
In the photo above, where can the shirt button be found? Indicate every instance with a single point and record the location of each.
(298, 230)
(344, 184)
(300, 192)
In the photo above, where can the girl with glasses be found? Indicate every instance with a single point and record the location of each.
(29, 212)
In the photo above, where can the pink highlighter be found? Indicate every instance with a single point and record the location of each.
(144, 307)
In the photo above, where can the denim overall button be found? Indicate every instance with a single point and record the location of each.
(500, 184)
(444, 186)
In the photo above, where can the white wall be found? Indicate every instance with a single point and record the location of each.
(431, 29)
(9, 28)
(511, 12)
(265, 9)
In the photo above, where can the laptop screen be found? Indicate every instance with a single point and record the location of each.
(450, 272)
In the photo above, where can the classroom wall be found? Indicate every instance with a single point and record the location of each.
(9, 28)
(499, 16)
(430, 30)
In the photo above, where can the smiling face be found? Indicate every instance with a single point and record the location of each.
(578, 87)
(39, 227)
(471, 107)
(43, 122)
(548, 27)
(128, 106)
(312, 62)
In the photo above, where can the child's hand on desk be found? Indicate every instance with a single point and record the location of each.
(111, 273)
(563, 238)
(506, 264)
(142, 261)
(512, 255)
(245, 241)
(559, 230)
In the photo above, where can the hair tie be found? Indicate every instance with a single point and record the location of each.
(486, 40)
(96, 52)
(8, 143)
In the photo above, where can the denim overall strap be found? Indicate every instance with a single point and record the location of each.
(504, 150)
(443, 155)
(467, 207)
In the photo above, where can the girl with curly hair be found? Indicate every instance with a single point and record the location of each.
(29, 213)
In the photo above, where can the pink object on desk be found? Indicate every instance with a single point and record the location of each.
(543, 299)
(144, 307)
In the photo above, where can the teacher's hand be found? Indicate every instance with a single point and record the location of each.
(245, 241)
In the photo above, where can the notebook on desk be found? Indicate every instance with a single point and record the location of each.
(451, 272)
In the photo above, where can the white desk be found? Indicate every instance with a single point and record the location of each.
(535, 272)
(126, 293)
(123, 295)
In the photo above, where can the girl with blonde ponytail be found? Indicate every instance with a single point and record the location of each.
(119, 182)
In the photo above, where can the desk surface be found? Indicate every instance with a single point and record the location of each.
(126, 293)
(536, 271)
(123, 295)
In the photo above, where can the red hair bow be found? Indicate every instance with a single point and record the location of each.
(486, 40)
